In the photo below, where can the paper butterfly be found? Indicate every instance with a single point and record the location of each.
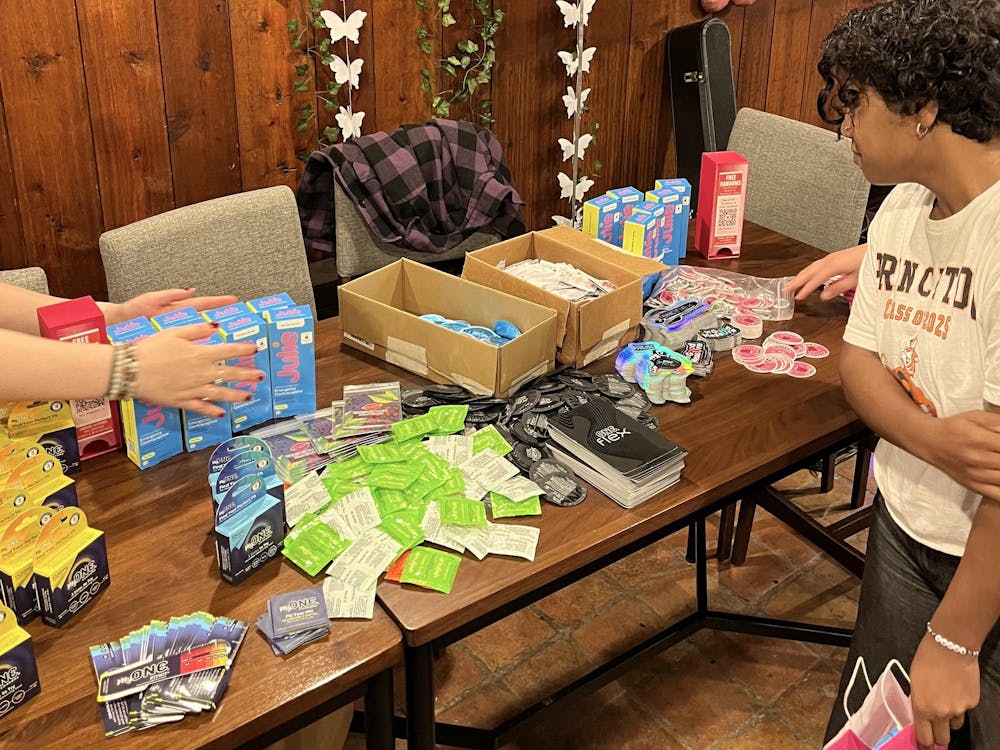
(342, 72)
(582, 186)
(339, 28)
(567, 146)
(349, 122)
(573, 13)
(569, 99)
(572, 62)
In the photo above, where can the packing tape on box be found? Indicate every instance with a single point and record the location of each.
(407, 355)
(608, 343)
(359, 341)
(469, 384)
(536, 371)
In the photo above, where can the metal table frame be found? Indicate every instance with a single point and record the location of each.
(422, 731)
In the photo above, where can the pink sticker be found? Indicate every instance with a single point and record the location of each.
(782, 349)
(787, 337)
(781, 362)
(802, 370)
(766, 365)
(800, 351)
(816, 351)
(747, 353)
(745, 319)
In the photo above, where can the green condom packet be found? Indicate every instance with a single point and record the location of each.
(449, 419)
(504, 507)
(460, 511)
(490, 437)
(312, 545)
(431, 569)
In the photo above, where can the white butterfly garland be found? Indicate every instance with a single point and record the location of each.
(346, 28)
(575, 186)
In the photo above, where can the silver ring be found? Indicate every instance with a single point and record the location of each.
(218, 377)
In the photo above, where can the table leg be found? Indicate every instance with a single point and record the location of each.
(379, 712)
(420, 697)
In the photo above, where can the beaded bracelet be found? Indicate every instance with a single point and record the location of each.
(950, 645)
(124, 372)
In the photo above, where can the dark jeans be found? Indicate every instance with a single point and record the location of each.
(903, 584)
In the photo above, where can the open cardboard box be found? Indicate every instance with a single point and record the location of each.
(586, 331)
(379, 314)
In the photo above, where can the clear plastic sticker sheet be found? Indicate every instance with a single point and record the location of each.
(729, 294)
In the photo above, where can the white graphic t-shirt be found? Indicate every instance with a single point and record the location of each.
(928, 303)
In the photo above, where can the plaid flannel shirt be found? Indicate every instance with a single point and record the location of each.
(422, 187)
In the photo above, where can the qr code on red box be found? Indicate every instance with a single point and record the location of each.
(727, 218)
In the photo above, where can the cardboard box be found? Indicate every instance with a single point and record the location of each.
(721, 203)
(291, 337)
(152, 432)
(379, 314)
(50, 425)
(585, 331)
(600, 217)
(671, 242)
(249, 529)
(642, 234)
(81, 321)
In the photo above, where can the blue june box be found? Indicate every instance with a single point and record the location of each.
(671, 241)
(217, 314)
(290, 333)
(659, 212)
(683, 187)
(600, 216)
(249, 327)
(642, 234)
(271, 302)
(152, 433)
(627, 197)
(199, 431)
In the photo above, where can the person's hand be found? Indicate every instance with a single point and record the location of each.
(844, 264)
(943, 686)
(156, 303)
(174, 371)
(966, 447)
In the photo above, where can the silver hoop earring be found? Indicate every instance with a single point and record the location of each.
(922, 130)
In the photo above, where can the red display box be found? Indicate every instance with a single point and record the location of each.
(81, 321)
(722, 201)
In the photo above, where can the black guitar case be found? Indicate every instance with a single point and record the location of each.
(702, 94)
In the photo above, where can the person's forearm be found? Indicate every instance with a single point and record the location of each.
(971, 605)
(882, 403)
(18, 306)
(37, 369)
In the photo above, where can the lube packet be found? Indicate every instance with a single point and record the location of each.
(18, 670)
(71, 566)
(165, 670)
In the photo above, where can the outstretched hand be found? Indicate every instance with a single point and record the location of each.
(156, 303)
(843, 264)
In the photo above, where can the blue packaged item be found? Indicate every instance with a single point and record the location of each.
(217, 314)
(248, 463)
(642, 234)
(683, 187)
(290, 333)
(671, 240)
(271, 302)
(228, 450)
(627, 198)
(600, 217)
(249, 529)
(153, 433)
(18, 670)
(659, 212)
(249, 327)
(186, 316)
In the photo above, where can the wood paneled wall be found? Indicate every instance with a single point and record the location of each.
(115, 110)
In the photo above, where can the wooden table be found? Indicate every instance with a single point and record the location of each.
(741, 429)
(162, 559)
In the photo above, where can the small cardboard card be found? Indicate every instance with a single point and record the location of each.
(18, 670)
(71, 566)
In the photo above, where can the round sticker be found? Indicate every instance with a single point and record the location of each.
(782, 363)
(747, 353)
(787, 337)
(780, 349)
(816, 351)
(766, 365)
(802, 370)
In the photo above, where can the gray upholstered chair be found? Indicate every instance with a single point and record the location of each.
(248, 244)
(802, 181)
(27, 278)
(359, 251)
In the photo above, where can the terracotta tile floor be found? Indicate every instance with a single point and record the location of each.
(716, 691)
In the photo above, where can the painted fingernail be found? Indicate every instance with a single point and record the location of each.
(260, 377)
(247, 397)
(220, 414)
(214, 324)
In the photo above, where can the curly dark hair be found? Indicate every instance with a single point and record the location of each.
(913, 52)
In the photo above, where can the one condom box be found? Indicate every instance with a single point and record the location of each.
(18, 670)
(249, 529)
(71, 566)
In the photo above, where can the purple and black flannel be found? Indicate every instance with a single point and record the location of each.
(420, 188)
